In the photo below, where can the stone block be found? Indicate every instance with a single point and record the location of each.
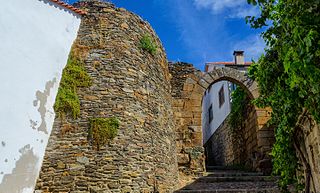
(183, 159)
(188, 87)
(207, 78)
(193, 103)
(263, 120)
(265, 134)
(264, 142)
(204, 84)
(200, 88)
(178, 102)
(90, 97)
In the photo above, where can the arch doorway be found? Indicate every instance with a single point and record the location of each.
(188, 88)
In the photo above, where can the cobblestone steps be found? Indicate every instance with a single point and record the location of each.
(234, 173)
(209, 179)
(232, 181)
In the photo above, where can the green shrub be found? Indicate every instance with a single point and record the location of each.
(288, 77)
(240, 102)
(102, 130)
(74, 76)
(147, 44)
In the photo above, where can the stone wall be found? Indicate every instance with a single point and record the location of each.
(239, 147)
(187, 116)
(129, 84)
(265, 139)
(307, 139)
(219, 149)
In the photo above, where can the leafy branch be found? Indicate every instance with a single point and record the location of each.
(289, 73)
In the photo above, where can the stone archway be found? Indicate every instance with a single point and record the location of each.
(189, 85)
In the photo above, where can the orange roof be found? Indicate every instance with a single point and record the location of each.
(70, 7)
(228, 63)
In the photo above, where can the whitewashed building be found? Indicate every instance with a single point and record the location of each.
(216, 104)
(36, 37)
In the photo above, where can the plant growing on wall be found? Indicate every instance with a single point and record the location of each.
(74, 76)
(146, 43)
(102, 130)
(288, 74)
(239, 104)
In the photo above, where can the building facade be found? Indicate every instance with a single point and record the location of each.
(36, 37)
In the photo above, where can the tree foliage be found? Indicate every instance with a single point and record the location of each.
(289, 72)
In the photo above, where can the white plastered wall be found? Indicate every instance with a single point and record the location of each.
(35, 40)
(219, 113)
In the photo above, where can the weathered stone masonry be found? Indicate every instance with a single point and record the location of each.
(129, 84)
(187, 116)
(189, 86)
(246, 145)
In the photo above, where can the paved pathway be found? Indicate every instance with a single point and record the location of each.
(232, 181)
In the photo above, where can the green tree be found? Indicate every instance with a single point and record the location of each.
(288, 73)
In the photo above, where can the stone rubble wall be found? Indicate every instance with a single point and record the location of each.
(219, 149)
(308, 139)
(129, 84)
(230, 146)
(247, 146)
(187, 116)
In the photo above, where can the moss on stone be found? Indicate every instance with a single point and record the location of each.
(147, 44)
(74, 76)
(102, 130)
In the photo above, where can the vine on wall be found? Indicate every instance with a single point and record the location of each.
(67, 102)
(74, 76)
(240, 101)
(288, 73)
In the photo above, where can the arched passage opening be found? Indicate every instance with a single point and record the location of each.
(189, 86)
(229, 126)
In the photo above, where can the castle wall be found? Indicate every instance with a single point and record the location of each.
(187, 116)
(36, 37)
(129, 84)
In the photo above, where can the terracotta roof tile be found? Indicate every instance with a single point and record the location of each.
(228, 63)
(70, 7)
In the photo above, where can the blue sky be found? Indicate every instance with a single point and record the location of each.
(199, 31)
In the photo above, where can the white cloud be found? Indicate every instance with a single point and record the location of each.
(218, 5)
(232, 8)
(207, 37)
(202, 34)
(242, 12)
